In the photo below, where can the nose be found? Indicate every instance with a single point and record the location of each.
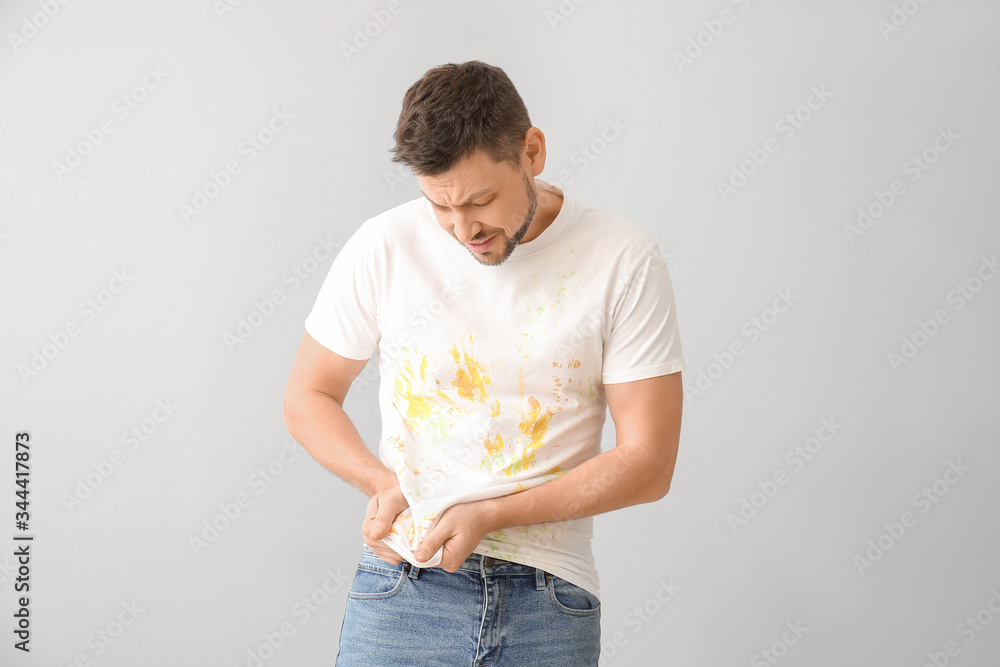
(464, 224)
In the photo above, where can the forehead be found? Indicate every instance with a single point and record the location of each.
(472, 178)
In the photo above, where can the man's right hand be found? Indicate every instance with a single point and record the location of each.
(382, 510)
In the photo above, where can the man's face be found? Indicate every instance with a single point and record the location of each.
(486, 206)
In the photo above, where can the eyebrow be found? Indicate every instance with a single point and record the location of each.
(475, 195)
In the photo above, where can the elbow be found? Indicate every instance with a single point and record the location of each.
(289, 413)
(659, 483)
(657, 491)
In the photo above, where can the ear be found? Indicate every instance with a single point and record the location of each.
(534, 151)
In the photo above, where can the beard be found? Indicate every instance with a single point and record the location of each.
(511, 242)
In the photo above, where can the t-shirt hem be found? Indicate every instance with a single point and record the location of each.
(633, 374)
(572, 576)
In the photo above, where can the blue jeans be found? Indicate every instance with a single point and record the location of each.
(490, 613)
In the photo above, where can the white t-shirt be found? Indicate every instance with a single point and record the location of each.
(492, 377)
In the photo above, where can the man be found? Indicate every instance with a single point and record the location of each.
(507, 318)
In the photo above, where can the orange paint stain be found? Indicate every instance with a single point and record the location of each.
(535, 425)
(470, 380)
(494, 447)
(419, 399)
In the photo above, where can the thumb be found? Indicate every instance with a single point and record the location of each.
(430, 544)
(379, 526)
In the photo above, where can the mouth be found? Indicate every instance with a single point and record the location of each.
(482, 247)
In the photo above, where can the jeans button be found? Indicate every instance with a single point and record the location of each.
(489, 561)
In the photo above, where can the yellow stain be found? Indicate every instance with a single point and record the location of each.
(496, 409)
(535, 425)
(470, 380)
(495, 446)
(419, 404)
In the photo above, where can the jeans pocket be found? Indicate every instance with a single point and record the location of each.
(570, 599)
(375, 579)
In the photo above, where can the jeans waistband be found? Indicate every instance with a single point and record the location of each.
(488, 566)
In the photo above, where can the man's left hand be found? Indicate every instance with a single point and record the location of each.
(459, 531)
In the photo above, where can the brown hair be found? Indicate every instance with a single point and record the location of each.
(456, 109)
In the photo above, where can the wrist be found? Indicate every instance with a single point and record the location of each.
(493, 515)
(384, 480)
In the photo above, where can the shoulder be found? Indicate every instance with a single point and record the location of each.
(619, 239)
(395, 227)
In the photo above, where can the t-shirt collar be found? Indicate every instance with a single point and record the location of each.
(554, 228)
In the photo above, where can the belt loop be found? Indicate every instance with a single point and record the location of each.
(413, 570)
(539, 579)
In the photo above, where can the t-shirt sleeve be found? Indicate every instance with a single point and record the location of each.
(644, 340)
(344, 317)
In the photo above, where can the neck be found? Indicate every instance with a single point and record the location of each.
(549, 205)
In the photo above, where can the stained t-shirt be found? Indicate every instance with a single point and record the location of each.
(492, 377)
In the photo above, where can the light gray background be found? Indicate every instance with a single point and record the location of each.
(577, 66)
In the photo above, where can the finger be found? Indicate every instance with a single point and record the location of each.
(385, 553)
(430, 544)
(386, 513)
(371, 526)
(371, 510)
(446, 560)
(378, 526)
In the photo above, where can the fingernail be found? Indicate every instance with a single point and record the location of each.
(421, 555)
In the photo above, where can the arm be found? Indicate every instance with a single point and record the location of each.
(647, 417)
(315, 417)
